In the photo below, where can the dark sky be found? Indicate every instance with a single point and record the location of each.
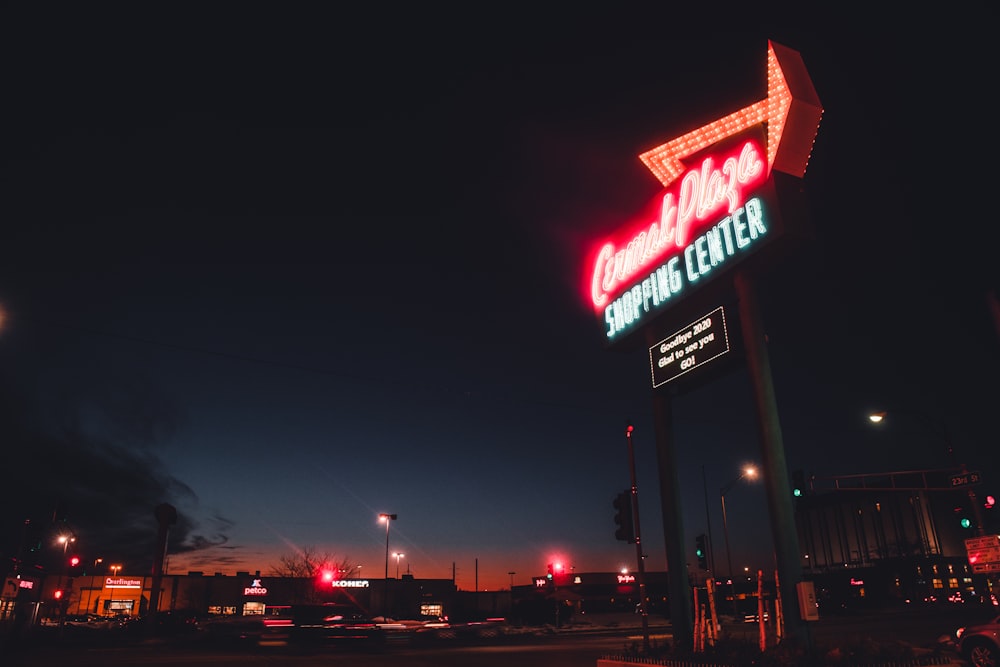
(286, 269)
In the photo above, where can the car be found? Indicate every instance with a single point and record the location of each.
(980, 644)
(318, 624)
(88, 621)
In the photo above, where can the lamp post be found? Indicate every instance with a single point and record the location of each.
(941, 431)
(65, 540)
(115, 569)
(397, 556)
(750, 472)
(387, 519)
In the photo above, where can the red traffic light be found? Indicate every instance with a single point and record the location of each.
(74, 561)
(58, 595)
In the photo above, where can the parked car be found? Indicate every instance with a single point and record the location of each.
(980, 644)
(90, 621)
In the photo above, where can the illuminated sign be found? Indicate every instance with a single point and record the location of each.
(709, 252)
(255, 588)
(541, 582)
(26, 583)
(710, 214)
(984, 553)
(349, 583)
(703, 196)
(626, 578)
(122, 582)
(791, 110)
(698, 343)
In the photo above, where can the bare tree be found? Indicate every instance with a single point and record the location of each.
(307, 565)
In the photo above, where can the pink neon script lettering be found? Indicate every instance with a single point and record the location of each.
(704, 193)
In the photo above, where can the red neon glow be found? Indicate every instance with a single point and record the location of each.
(791, 110)
(703, 194)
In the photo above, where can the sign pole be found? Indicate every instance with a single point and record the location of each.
(775, 469)
(673, 525)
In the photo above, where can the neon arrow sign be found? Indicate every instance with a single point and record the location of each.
(711, 216)
(791, 110)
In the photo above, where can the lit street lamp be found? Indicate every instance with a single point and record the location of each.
(397, 556)
(387, 519)
(65, 540)
(750, 472)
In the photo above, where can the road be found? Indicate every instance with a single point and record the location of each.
(565, 648)
(555, 651)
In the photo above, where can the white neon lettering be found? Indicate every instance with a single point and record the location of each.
(711, 249)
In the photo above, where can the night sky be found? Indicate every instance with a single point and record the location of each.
(287, 269)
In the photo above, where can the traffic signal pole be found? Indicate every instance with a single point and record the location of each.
(638, 541)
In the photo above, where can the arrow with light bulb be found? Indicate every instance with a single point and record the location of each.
(791, 110)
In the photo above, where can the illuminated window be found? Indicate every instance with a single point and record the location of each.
(953, 582)
(937, 583)
(253, 608)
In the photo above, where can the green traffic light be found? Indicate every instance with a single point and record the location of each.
(797, 493)
(966, 523)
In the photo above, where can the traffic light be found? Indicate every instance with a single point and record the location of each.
(798, 483)
(74, 565)
(623, 517)
(701, 551)
(58, 595)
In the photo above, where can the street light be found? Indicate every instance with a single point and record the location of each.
(750, 472)
(65, 540)
(397, 556)
(387, 519)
